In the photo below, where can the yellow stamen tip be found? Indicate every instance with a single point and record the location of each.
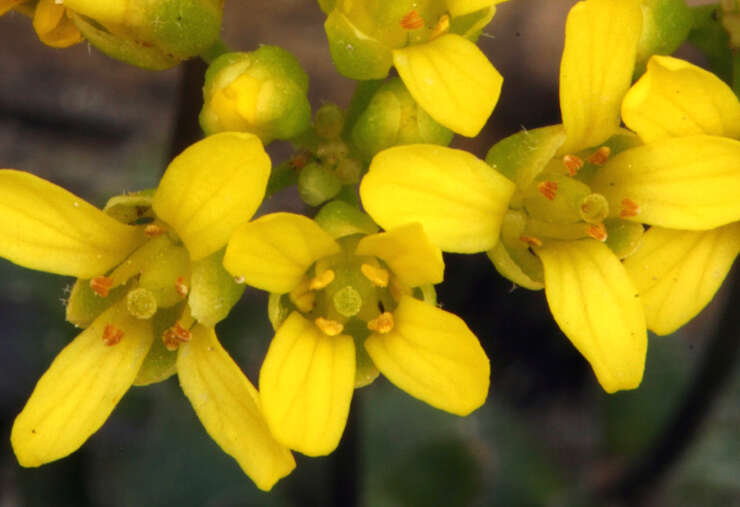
(572, 163)
(152, 230)
(530, 240)
(180, 286)
(304, 302)
(548, 188)
(101, 285)
(112, 335)
(600, 156)
(442, 27)
(382, 324)
(321, 280)
(329, 327)
(377, 276)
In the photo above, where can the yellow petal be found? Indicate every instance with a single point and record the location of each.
(678, 272)
(432, 355)
(680, 183)
(457, 197)
(53, 27)
(44, 227)
(676, 98)
(306, 385)
(596, 70)
(597, 307)
(408, 252)
(452, 80)
(273, 252)
(462, 7)
(229, 408)
(211, 188)
(80, 389)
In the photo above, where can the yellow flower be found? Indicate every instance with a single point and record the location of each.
(429, 45)
(583, 189)
(158, 278)
(343, 310)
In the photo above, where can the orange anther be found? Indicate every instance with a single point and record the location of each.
(548, 189)
(180, 286)
(572, 163)
(382, 324)
(442, 27)
(112, 335)
(412, 21)
(597, 231)
(329, 327)
(600, 156)
(101, 285)
(629, 208)
(530, 240)
(152, 230)
(175, 335)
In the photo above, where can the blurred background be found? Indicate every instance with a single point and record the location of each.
(548, 434)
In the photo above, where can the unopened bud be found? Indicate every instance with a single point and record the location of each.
(317, 184)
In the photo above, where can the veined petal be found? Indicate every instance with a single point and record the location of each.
(432, 355)
(45, 227)
(228, 405)
(212, 187)
(81, 388)
(408, 252)
(458, 198)
(306, 385)
(452, 80)
(462, 7)
(676, 98)
(680, 183)
(678, 272)
(273, 252)
(596, 70)
(597, 307)
(53, 27)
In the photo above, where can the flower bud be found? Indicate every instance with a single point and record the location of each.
(340, 219)
(665, 25)
(393, 118)
(262, 92)
(329, 121)
(317, 184)
(154, 34)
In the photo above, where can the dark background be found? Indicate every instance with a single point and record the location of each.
(548, 435)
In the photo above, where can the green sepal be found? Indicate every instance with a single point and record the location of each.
(712, 39)
(160, 363)
(340, 219)
(665, 26)
(130, 208)
(355, 54)
(317, 184)
(278, 309)
(623, 236)
(84, 305)
(213, 291)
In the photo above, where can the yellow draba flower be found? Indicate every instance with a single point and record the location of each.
(443, 70)
(351, 312)
(168, 267)
(583, 190)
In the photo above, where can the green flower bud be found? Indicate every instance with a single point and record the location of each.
(262, 92)
(340, 219)
(329, 121)
(317, 184)
(393, 118)
(665, 25)
(154, 34)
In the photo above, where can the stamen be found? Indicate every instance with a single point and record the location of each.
(377, 276)
(600, 156)
(112, 335)
(597, 231)
(548, 189)
(442, 27)
(329, 327)
(572, 163)
(382, 324)
(180, 287)
(101, 285)
(174, 336)
(152, 230)
(530, 240)
(412, 21)
(629, 208)
(322, 280)
(239, 280)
